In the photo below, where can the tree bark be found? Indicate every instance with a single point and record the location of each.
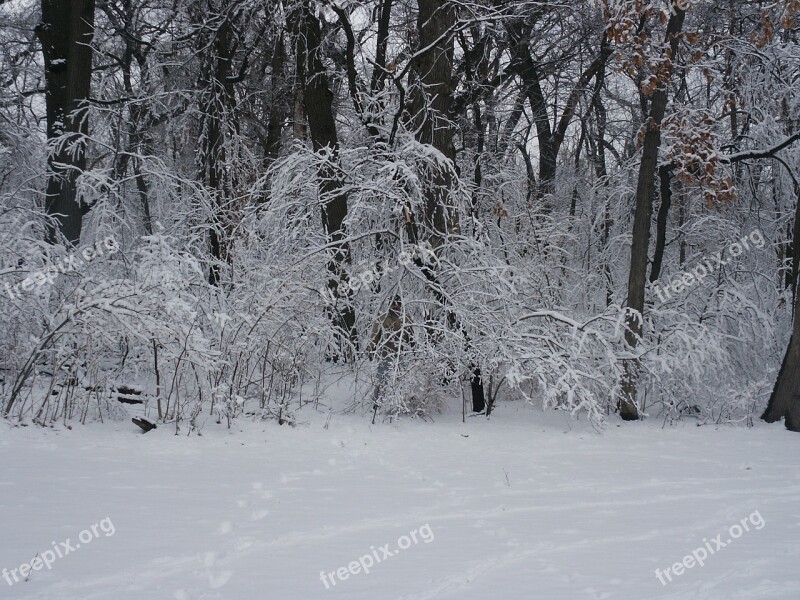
(431, 109)
(665, 185)
(319, 112)
(645, 190)
(218, 125)
(784, 402)
(66, 31)
(140, 115)
(524, 66)
(277, 113)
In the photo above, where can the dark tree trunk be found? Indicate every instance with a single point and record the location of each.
(665, 185)
(379, 71)
(643, 213)
(141, 118)
(431, 108)
(785, 399)
(478, 393)
(66, 32)
(277, 113)
(219, 124)
(793, 249)
(525, 67)
(319, 112)
(601, 170)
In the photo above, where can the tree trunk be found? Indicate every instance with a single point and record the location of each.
(524, 66)
(785, 398)
(665, 185)
(277, 113)
(218, 126)
(319, 112)
(140, 116)
(66, 32)
(645, 190)
(431, 110)
(478, 393)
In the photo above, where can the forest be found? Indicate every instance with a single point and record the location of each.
(528, 177)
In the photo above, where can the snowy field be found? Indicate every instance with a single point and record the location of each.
(526, 505)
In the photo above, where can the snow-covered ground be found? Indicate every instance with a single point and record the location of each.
(526, 505)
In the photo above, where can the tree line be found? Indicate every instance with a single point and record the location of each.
(546, 165)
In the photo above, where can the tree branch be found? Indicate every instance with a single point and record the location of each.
(752, 154)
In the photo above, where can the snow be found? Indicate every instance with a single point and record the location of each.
(526, 505)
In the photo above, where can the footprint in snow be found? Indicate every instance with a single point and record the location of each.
(225, 527)
(243, 544)
(217, 580)
(594, 593)
(220, 578)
